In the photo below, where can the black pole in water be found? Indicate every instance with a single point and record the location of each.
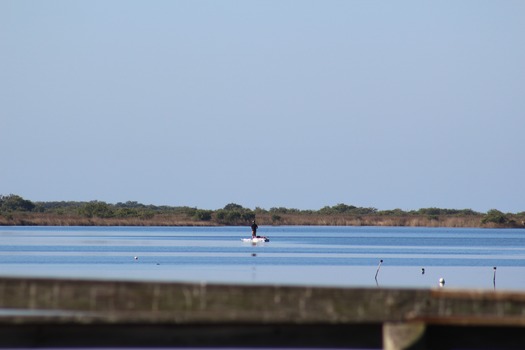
(494, 279)
(380, 262)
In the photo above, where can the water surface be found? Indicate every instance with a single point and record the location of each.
(319, 256)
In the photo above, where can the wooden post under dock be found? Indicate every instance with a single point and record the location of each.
(81, 313)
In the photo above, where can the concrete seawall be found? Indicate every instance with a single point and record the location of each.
(54, 312)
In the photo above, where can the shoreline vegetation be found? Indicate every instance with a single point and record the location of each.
(17, 211)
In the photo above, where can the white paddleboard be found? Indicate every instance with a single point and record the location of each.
(258, 239)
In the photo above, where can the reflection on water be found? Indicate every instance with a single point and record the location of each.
(332, 256)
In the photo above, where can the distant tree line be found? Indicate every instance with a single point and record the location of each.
(14, 203)
(235, 214)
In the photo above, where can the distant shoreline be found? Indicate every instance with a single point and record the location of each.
(17, 211)
(41, 219)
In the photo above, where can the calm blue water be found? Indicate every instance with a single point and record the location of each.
(334, 256)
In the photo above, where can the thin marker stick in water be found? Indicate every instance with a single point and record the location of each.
(494, 279)
(380, 262)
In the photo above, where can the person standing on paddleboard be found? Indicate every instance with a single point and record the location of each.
(254, 229)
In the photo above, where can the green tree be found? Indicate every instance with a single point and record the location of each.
(392, 212)
(203, 215)
(233, 206)
(97, 209)
(220, 215)
(127, 213)
(495, 216)
(247, 215)
(234, 214)
(342, 208)
(13, 202)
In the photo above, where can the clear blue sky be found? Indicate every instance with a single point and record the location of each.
(301, 104)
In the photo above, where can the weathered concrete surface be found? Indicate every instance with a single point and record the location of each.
(113, 313)
(105, 301)
(131, 302)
